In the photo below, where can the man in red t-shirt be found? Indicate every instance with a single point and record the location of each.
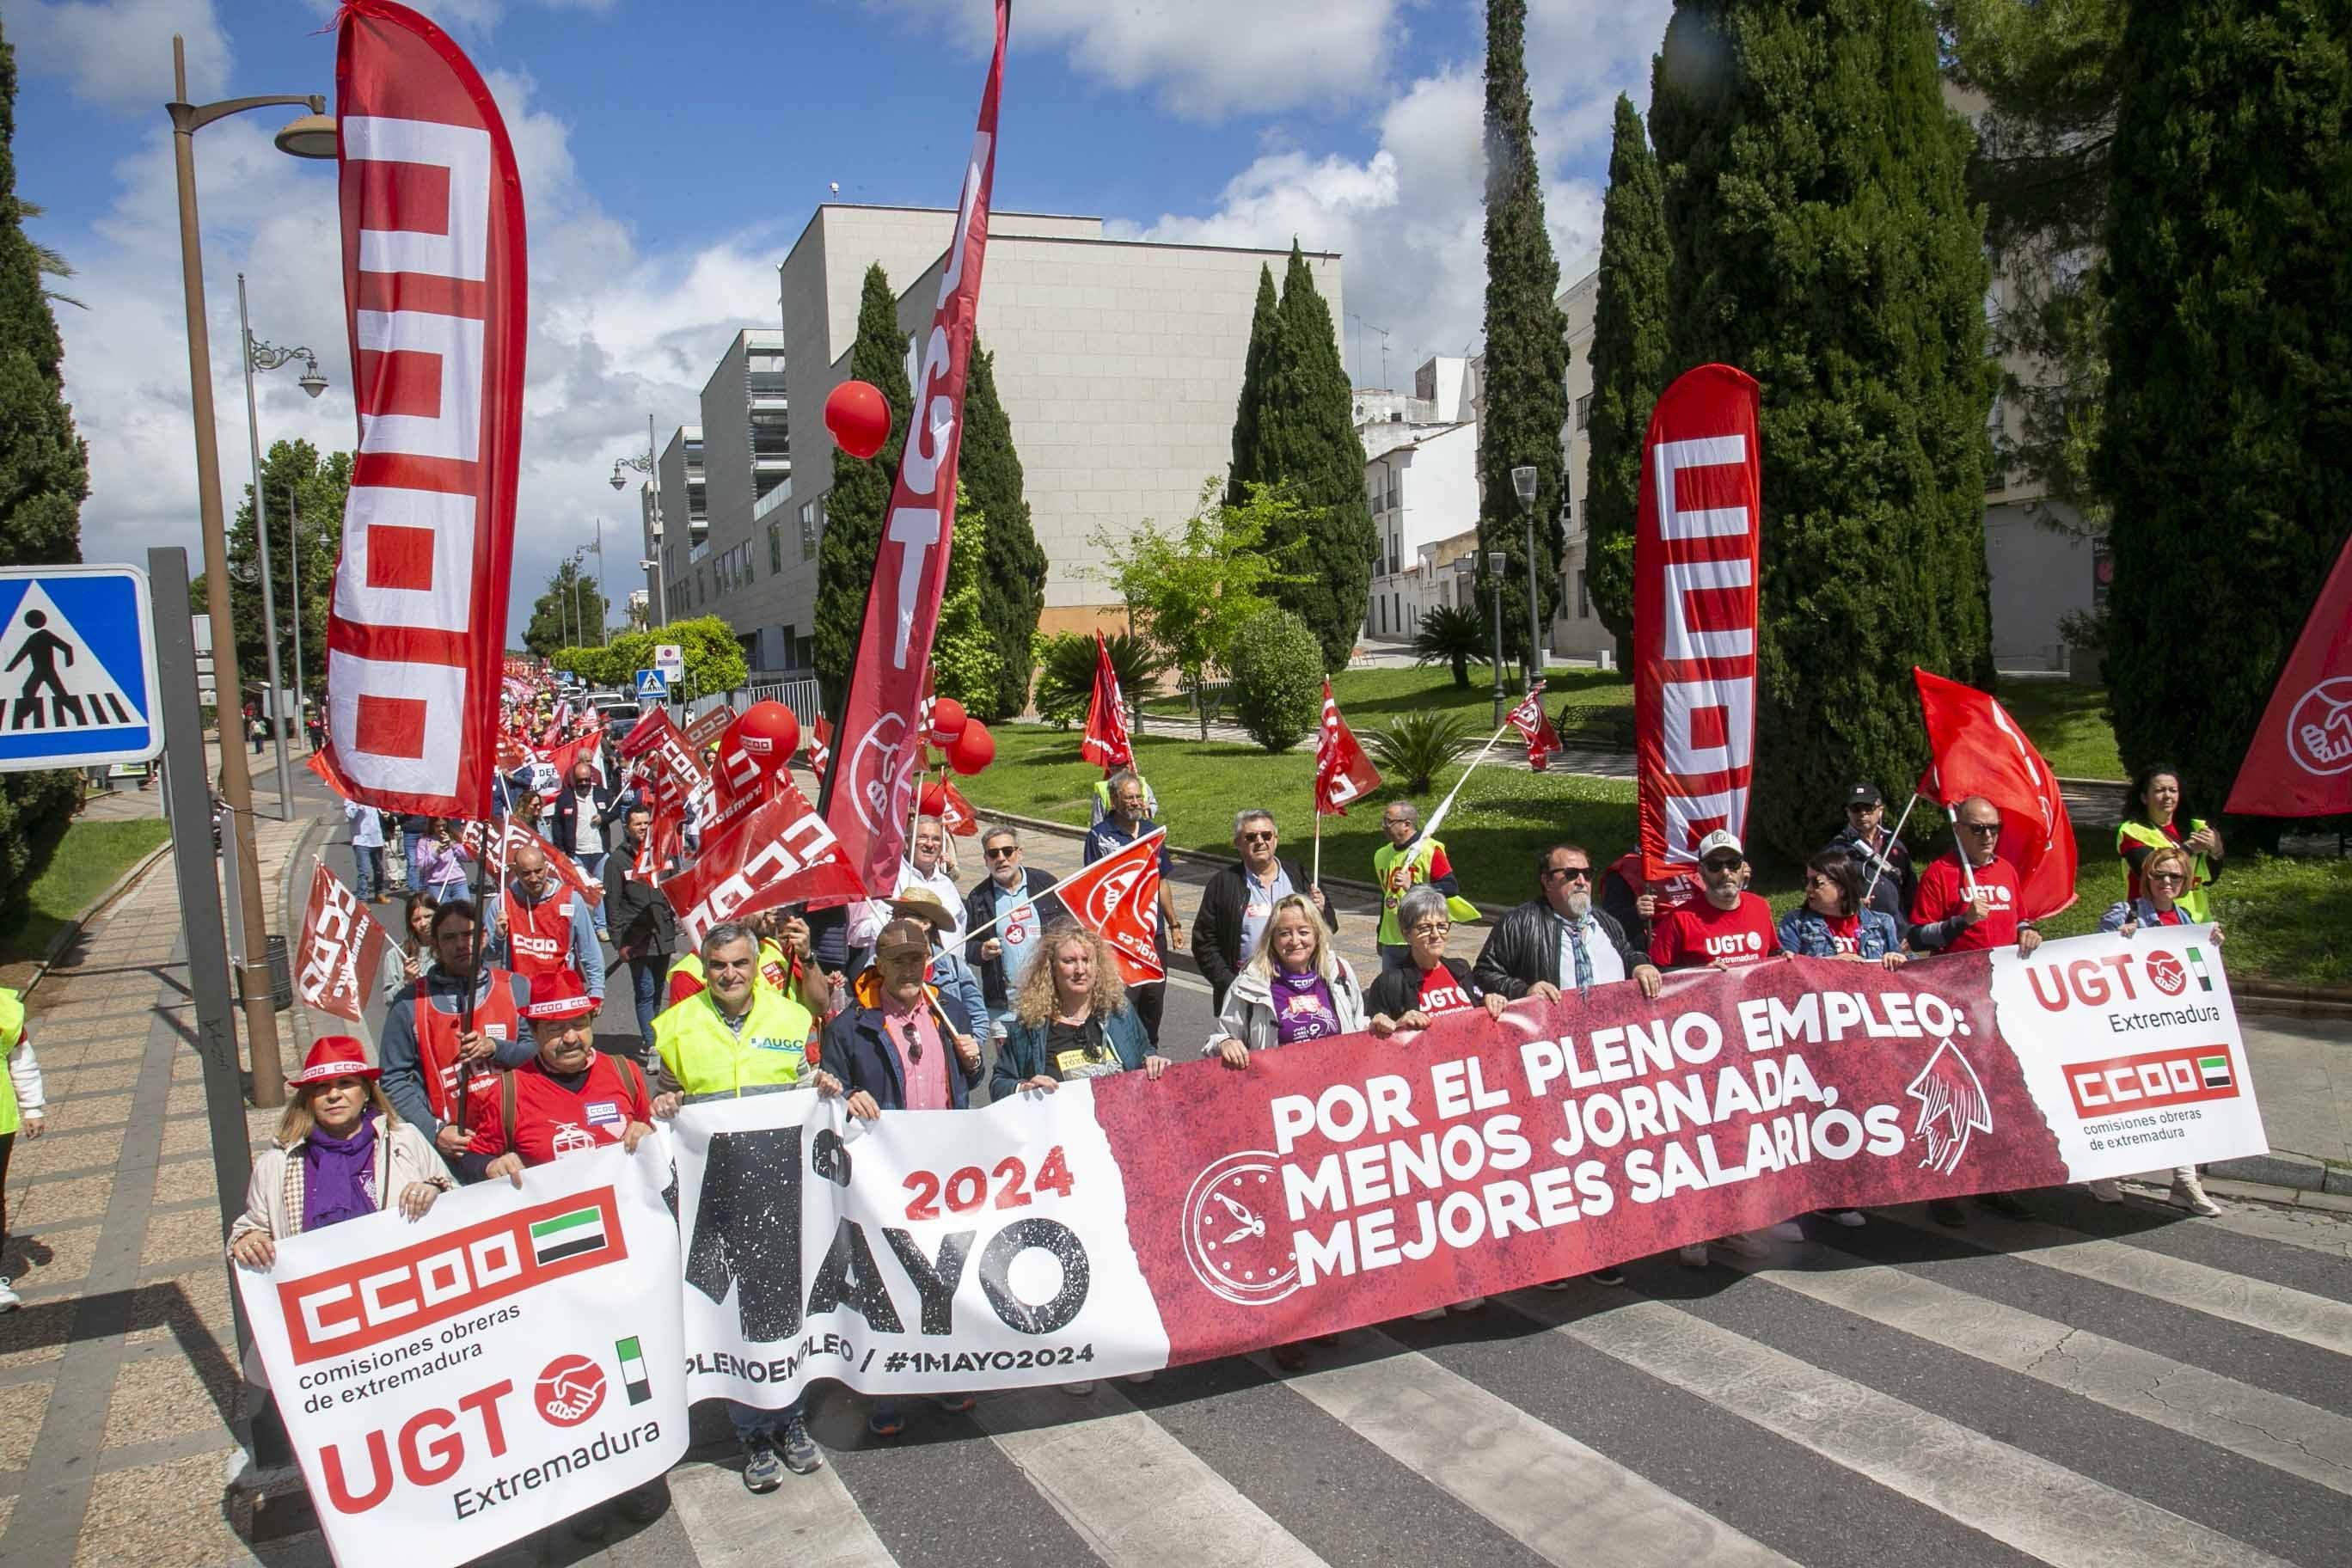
(1969, 901)
(1729, 926)
(568, 1100)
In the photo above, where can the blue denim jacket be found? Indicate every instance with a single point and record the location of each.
(1807, 935)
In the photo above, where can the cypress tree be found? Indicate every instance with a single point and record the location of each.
(2227, 446)
(1249, 410)
(1823, 242)
(1527, 340)
(860, 494)
(1629, 353)
(1307, 434)
(44, 475)
(1011, 565)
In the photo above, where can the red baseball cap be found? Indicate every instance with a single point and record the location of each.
(332, 1057)
(556, 994)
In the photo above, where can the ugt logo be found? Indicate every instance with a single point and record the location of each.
(2319, 730)
(878, 785)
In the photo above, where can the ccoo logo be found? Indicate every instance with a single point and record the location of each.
(2164, 973)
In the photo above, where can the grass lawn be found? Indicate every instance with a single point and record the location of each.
(2068, 723)
(88, 858)
(2281, 914)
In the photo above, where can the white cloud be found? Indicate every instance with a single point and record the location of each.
(118, 56)
(1206, 58)
(616, 332)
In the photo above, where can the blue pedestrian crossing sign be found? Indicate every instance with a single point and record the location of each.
(77, 668)
(652, 686)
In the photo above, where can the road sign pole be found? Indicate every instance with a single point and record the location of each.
(188, 799)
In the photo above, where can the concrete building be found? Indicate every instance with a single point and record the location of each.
(1422, 481)
(1118, 361)
(1577, 631)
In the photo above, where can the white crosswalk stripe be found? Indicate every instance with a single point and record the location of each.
(2288, 1434)
(1453, 1444)
(2038, 1507)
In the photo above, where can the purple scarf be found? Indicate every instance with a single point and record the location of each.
(339, 1174)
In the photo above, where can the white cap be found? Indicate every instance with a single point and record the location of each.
(1721, 838)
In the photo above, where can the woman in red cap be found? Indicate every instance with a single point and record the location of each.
(342, 1152)
(568, 1100)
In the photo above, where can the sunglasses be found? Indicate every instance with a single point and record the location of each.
(914, 1042)
(1003, 852)
(1720, 863)
(1568, 873)
(1264, 837)
(2165, 877)
(1986, 829)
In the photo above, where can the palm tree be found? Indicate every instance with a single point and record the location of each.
(1415, 750)
(1451, 633)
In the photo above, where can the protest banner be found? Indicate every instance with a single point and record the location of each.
(1122, 1224)
(453, 1384)
(341, 948)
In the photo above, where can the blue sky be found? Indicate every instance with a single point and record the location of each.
(671, 152)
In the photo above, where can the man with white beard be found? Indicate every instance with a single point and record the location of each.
(1556, 943)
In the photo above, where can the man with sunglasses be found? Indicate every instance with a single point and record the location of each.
(1877, 853)
(1965, 905)
(1240, 899)
(1728, 925)
(1556, 943)
(1013, 902)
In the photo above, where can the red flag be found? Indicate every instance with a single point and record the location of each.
(588, 749)
(1534, 726)
(701, 731)
(880, 737)
(2300, 764)
(1696, 560)
(1107, 743)
(563, 865)
(942, 799)
(434, 298)
(1981, 750)
(341, 948)
(819, 745)
(781, 853)
(1118, 899)
(1342, 772)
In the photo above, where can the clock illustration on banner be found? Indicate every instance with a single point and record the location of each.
(1229, 1230)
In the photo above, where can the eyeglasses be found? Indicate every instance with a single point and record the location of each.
(2165, 877)
(1987, 829)
(1264, 835)
(1567, 873)
(1003, 852)
(1433, 928)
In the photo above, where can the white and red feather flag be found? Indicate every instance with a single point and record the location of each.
(1118, 899)
(1107, 743)
(881, 741)
(1342, 772)
(434, 297)
(1535, 728)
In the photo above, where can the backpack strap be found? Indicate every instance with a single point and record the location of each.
(635, 1075)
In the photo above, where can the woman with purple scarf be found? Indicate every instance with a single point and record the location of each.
(342, 1152)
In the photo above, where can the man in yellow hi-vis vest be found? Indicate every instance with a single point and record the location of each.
(1405, 861)
(20, 1110)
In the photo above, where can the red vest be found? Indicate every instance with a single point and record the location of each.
(538, 936)
(436, 1037)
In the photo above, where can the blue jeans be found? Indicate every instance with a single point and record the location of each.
(368, 870)
(409, 845)
(751, 1421)
(646, 977)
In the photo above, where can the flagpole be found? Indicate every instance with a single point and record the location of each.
(1878, 861)
(1430, 831)
(1316, 879)
(1960, 848)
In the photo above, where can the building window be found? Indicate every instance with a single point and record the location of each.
(775, 549)
(808, 531)
(1584, 412)
(1583, 597)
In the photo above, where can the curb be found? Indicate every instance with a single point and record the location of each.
(1197, 856)
(2280, 999)
(2285, 1198)
(73, 928)
(2282, 1169)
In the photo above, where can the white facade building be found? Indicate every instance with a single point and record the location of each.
(1422, 481)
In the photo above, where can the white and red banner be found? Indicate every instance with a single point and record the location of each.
(2300, 764)
(881, 734)
(1697, 555)
(1981, 750)
(341, 948)
(1107, 743)
(1535, 727)
(1118, 899)
(1122, 1224)
(457, 1383)
(435, 292)
(819, 748)
(781, 852)
(1342, 772)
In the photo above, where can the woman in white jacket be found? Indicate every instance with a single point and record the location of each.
(1295, 987)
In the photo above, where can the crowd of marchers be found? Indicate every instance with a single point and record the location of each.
(488, 1062)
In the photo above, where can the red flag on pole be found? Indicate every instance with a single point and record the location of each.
(1107, 744)
(819, 746)
(342, 947)
(1696, 547)
(434, 298)
(783, 852)
(1535, 728)
(1342, 772)
(1118, 899)
(1981, 750)
(881, 738)
(2300, 764)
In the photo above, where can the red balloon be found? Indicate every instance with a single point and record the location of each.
(973, 750)
(947, 719)
(933, 801)
(859, 417)
(769, 733)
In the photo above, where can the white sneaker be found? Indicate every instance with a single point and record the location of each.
(1743, 1243)
(9, 1300)
(1080, 1389)
(2188, 1193)
(2107, 1190)
(1693, 1256)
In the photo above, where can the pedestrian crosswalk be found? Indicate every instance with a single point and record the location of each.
(2084, 1390)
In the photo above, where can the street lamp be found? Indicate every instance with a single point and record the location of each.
(260, 355)
(1523, 479)
(313, 136)
(645, 466)
(1495, 562)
